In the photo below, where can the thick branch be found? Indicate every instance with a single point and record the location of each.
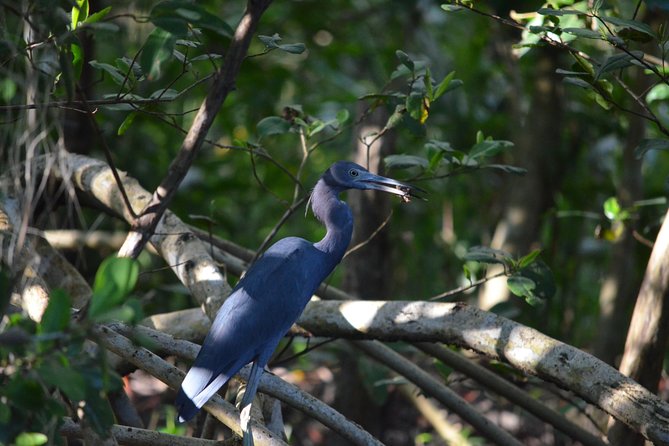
(269, 384)
(144, 359)
(138, 437)
(183, 252)
(223, 84)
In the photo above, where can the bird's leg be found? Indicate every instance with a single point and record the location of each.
(249, 394)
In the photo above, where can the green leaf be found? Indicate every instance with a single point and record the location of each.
(98, 412)
(651, 144)
(447, 84)
(67, 71)
(633, 24)
(127, 122)
(488, 148)
(272, 42)
(272, 125)
(583, 32)
(97, 16)
(114, 280)
(416, 107)
(483, 254)
(396, 117)
(68, 380)
(405, 59)
(559, 12)
(578, 82)
(114, 72)
(79, 13)
(659, 92)
(56, 317)
(451, 8)
(157, 51)
(506, 168)
(405, 161)
(174, 16)
(535, 283)
(24, 393)
(612, 208)
(529, 258)
(521, 286)
(30, 439)
(618, 61)
(342, 116)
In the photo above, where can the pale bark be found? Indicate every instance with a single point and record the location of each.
(647, 336)
(186, 255)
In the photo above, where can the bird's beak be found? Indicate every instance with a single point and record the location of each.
(377, 182)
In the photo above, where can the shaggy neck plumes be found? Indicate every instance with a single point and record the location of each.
(335, 215)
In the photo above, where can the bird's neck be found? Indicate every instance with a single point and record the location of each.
(337, 218)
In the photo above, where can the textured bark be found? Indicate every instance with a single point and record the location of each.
(647, 337)
(185, 253)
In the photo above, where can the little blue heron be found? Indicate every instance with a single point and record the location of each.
(271, 296)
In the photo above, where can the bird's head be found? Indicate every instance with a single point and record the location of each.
(348, 175)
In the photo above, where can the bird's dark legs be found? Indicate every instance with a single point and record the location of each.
(249, 394)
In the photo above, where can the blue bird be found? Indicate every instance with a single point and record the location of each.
(273, 293)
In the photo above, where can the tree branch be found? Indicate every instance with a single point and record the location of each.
(223, 84)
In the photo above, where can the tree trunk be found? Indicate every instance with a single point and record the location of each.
(367, 273)
(647, 337)
(537, 148)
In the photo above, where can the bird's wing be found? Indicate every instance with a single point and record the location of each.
(249, 325)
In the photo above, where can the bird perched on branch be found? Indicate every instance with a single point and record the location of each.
(271, 296)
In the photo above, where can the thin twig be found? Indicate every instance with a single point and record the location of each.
(371, 236)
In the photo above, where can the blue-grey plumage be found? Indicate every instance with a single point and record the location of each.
(275, 290)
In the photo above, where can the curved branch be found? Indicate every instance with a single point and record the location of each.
(269, 384)
(170, 375)
(434, 388)
(184, 252)
(137, 437)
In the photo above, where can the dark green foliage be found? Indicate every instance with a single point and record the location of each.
(54, 373)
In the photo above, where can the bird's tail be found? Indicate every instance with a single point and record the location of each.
(186, 409)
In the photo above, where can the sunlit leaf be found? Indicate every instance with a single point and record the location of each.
(31, 439)
(114, 280)
(97, 16)
(529, 258)
(79, 13)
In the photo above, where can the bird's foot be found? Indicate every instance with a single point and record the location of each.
(244, 419)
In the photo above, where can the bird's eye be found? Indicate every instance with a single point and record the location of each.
(353, 172)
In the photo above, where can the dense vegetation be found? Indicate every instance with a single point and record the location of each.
(539, 130)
